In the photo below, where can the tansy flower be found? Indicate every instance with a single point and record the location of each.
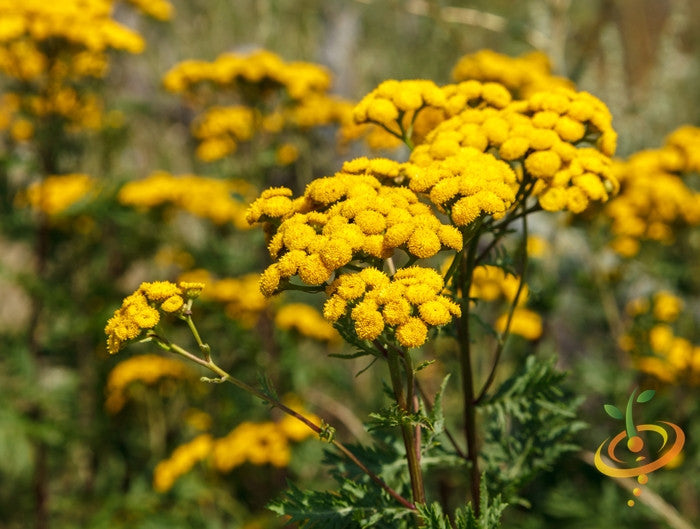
(140, 310)
(147, 369)
(347, 217)
(410, 303)
(209, 198)
(522, 75)
(525, 323)
(655, 200)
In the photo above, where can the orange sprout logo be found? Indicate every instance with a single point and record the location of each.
(634, 462)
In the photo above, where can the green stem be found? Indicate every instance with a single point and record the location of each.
(465, 279)
(321, 431)
(409, 438)
(506, 332)
(203, 347)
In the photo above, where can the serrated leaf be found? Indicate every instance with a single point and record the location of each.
(433, 517)
(646, 396)
(613, 411)
(436, 416)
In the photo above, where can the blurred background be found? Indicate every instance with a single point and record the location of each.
(81, 438)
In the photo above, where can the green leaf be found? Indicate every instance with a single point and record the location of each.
(530, 422)
(354, 506)
(613, 411)
(646, 396)
(433, 517)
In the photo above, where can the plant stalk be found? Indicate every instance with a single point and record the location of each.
(226, 377)
(465, 279)
(409, 435)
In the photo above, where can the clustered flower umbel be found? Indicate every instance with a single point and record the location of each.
(405, 304)
(205, 197)
(539, 136)
(655, 198)
(561, 138)
(268, 93)
(141, 310)
(343, 218)
(523, 76)
(475, 149)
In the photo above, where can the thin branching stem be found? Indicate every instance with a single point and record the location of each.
(506, 332)
(464, 277)
(226, 377)
(409, 437)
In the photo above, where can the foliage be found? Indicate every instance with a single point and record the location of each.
(453, 288)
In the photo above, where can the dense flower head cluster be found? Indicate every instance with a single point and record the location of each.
(655, 196)
(406, 305)
(56, 193)
(305, 320)
(51, 47)
(490, 282)
(219, 130)
(260, 67)
(147, 369)
(255, 443)
(540, 136)
(209, 198)
(412, 108)
(270, 95)
(141, 310)
(344, 217)
(240, 296)
(653, 343)
(181, 461)
(523, 76)
(466, 185)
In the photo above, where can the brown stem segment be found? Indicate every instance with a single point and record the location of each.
(409, 437)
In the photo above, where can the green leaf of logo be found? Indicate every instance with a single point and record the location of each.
(613, 411)
(645, 396)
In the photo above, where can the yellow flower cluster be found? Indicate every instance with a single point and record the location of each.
(344, 217)
(209, 198)
(262, 443)
(673, 359)
(467, 184)
(220, 129)
(147, 369)
(413, 108)
(140, 310)
(541, 136)
(241, 296)
(307, 321)
(271, 94)
(665, 306)
(651, 338)
(56, 193)
(52, 46)
(406, 305)
(523, 76)
(655, 197)
(490, 283)
(182, 460)
(260, 67)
